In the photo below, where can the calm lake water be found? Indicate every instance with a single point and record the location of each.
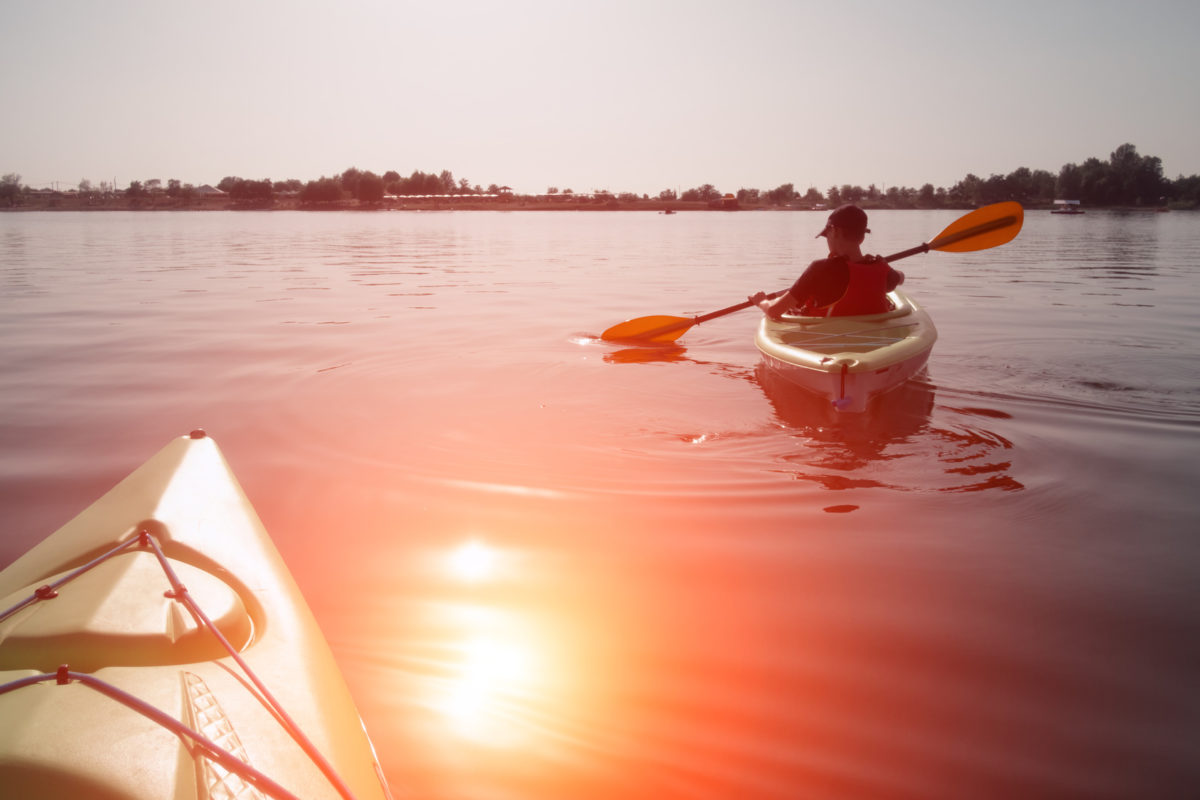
(552, 567)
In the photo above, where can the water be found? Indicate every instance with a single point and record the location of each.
(554, 567)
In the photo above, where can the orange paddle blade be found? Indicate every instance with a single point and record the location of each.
(990, 226)
(657, 328)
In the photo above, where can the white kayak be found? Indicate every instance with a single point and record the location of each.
(852, 360)
(157, 647)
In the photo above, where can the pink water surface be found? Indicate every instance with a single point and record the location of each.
(554, 567)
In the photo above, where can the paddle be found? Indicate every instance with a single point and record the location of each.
(984, 228)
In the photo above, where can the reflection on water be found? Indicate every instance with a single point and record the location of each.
(646, 355)
(492, 680)
(1105, 248)
(894, 416)
(493, 675)
(894, 444)
(492, 669)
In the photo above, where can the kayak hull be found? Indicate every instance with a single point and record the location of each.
(850, 361)
(118, 619)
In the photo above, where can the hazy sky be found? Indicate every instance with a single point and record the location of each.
(597, 94)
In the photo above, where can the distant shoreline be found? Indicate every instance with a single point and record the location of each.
(64, 201)
(68, 202)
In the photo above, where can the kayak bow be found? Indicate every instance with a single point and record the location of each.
(138, 641)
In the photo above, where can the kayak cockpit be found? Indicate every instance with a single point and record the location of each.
(849, 360)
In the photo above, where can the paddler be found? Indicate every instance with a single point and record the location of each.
(845, 283)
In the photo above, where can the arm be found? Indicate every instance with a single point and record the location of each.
(822, 283)
(774, 308)
(895, 278)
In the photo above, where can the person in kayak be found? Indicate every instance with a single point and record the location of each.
(846, 283)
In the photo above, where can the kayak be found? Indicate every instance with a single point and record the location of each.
(851, 360)
(156, 646)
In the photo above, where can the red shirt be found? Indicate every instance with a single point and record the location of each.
(836, 287)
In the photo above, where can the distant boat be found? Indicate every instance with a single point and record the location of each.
(1067, 207)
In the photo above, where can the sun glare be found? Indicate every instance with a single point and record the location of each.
(493, 671)
(485, 692)
(473, 561)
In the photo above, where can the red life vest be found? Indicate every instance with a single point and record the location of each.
(866, 292)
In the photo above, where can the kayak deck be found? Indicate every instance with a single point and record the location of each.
(849, 360)
(138, 642)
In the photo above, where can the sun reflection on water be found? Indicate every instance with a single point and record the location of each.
(495, 662)
(494, 676)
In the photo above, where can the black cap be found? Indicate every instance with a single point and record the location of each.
(849, 218)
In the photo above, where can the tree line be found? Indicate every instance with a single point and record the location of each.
(1126, 178)
(353, 184)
